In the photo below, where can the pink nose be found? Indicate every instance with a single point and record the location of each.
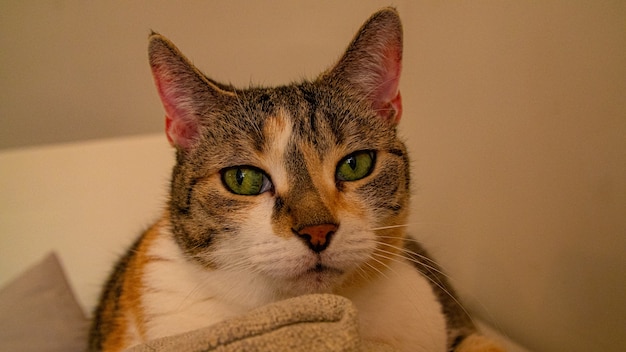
(317, 237)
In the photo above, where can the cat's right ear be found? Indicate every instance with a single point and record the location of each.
(373, 62)
(184, 91)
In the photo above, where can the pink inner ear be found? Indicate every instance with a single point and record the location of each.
(396, 104)
(178, 133)
(387, 98)
(181, 128)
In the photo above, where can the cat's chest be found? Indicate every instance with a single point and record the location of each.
(180, 296)
(399, 307)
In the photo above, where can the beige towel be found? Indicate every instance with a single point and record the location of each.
(307, 323)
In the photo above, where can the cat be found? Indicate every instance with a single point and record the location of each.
(285, 191)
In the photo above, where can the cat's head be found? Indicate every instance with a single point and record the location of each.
(302, 184)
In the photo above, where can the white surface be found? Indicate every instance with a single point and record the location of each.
(87, 201)
(514, 111)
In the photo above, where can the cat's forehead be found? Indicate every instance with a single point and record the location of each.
(312, 113)
(270, 127)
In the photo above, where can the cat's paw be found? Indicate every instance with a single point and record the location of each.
(479, 343)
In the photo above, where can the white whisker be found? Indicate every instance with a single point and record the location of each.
(420, 256)
(376, 269)
(438, 284)
(429, 267)
(389, 227)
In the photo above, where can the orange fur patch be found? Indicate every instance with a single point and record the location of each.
(479, 343)
(130, 300)
(322, 174)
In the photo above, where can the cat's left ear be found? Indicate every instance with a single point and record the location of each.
(373, 62)
(187, 95)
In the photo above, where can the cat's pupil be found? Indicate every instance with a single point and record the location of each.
(351, 162)
(239, 176)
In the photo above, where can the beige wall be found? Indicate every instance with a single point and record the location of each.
(515, 113)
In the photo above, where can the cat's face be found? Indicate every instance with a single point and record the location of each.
(303, 185)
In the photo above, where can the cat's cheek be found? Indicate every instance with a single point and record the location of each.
(274, 254)
(353, 244)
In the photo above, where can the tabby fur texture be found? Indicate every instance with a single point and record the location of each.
(279, 192)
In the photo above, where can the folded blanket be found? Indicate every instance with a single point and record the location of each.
(38, 312)
(307, 323)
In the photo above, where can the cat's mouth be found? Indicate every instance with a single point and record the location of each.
(320, 268)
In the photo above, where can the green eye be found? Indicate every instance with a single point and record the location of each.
(355, 166)
(245, 180)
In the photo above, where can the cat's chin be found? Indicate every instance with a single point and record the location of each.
(317, 279)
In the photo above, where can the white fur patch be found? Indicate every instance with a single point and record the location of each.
(181, 295)
(278, 130)
(399, 307)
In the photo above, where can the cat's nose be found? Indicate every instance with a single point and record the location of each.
(317, 237)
